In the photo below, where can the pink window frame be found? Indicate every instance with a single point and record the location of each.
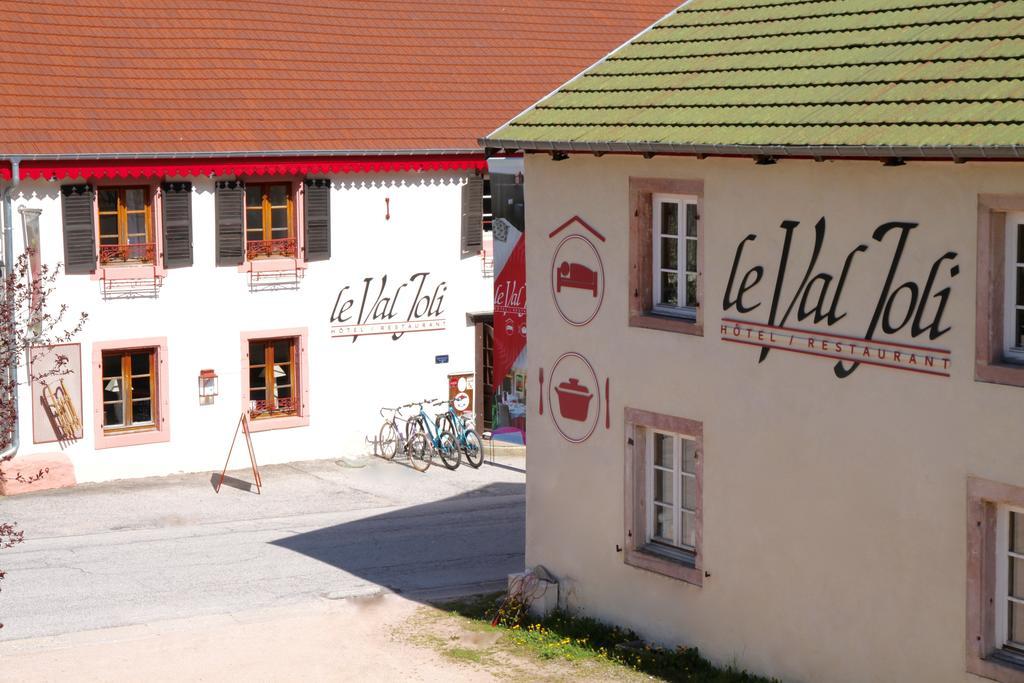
(302, 358)
(162, 432)
(641, 256)
(990, 364)
(983, 500)
(298, 205)
(639, 423)
(131, 272)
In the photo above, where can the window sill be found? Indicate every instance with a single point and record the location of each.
(266, 424)
(114, 431)
(272, 263)
(667, 323)
(1009, 659)
(127, 271)
(666, 563)
(678, 555)
(998, 666)
(999, 372)
(116, 438)
(125, 264)
(271, 415)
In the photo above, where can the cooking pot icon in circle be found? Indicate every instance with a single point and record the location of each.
(573, 400)
(574, 397)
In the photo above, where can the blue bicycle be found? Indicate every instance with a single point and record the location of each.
(425, 439)
(451, 422)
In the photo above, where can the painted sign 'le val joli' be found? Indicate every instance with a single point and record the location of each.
(902, 306)
(389, 307)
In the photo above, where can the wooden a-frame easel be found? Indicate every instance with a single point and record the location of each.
(243, 424)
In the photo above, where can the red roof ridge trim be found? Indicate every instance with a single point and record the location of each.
(148, 168)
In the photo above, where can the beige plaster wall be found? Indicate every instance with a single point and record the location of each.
(834, 509)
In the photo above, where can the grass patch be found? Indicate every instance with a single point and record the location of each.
(563, 636)
(465, 654)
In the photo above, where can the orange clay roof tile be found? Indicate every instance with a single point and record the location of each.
(190, 76)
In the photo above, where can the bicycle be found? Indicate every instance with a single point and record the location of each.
(391, 442)
(387, 437)
(465, 436)
(426, 437)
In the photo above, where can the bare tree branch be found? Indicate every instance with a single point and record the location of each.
(27, 327)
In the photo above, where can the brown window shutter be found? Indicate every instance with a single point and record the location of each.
(79, 229)
(472, 214)
(230, 195)
(317, 207)
(177, 219)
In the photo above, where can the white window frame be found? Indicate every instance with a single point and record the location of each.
(1011, 351)
(677, 544)
(686, 309)
(1002, 596)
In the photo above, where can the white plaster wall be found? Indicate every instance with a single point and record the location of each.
(834, 510)
(202, 310)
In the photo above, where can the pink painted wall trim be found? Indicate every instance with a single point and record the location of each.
(162, 433)
(60, 473)
(269, 423)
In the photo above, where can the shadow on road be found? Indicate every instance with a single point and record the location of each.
(456, 545)
(232, 482)
(503, 466)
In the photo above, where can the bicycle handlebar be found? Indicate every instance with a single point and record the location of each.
(414, 404)
(397, 408)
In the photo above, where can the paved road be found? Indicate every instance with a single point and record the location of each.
(128, 553)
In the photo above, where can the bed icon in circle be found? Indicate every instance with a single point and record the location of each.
(577, 276)
(577, 272)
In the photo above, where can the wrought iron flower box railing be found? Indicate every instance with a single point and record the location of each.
(272, 408)
(143, 252)
(266, 248)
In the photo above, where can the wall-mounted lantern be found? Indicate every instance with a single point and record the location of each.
(207, 387)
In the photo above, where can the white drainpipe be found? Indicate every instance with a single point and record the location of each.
(5, 268)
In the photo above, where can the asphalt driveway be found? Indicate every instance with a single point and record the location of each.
(138, 552)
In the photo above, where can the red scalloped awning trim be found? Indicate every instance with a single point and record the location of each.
(5, 171)
(148, 168)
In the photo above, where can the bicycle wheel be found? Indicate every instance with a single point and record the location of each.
(451, 457)
(445, 426)
(412, 427)
(388, 440)
(474, 451)
(421, 454)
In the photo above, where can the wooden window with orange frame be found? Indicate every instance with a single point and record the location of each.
(269, 221)
(129, 390)
(125, 225)
(273, 385)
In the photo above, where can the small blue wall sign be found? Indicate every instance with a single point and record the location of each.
(439, 360)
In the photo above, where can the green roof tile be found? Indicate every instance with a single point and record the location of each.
(800, 73)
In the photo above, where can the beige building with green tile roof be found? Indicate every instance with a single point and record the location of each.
(775, 267)
(831, 78)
